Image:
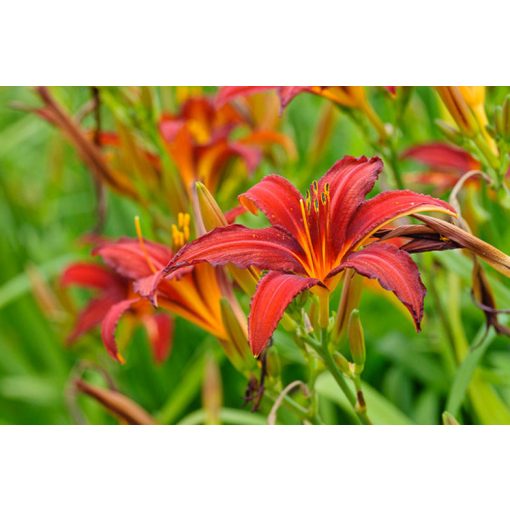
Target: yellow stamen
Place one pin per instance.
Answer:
(138, 229)
(309, 245)
(181, 231)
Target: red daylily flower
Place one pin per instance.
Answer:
(313, 238)
(447, 164)
(114, 298)
(200, 140)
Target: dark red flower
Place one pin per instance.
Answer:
(313, 238)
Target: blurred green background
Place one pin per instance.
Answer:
(48, 205)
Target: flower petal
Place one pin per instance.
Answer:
(274, 293)
(394, 270)
(268, 248)
(279, 200)
(388, 206)
(89, 275)
(109, 325)
(349, 180)
(91, 316)
(496, 258)
(160, 332)
(128, 258)
(287, 94)
(227, 94)
(442, 155)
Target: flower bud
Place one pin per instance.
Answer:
(236, 348)
(207, 208)
(209, 216)
(349, 300)
(273, 365)
(356, 340)
(451, 133)
(459, 109)
(449, 419)
(212, 391)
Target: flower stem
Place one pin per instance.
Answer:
(323, 351)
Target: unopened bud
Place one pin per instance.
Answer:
(273, 365)
(208, 209)
(342, 363)
(209, 216)
(212, 391)
(236, 347)
(455, 101)
(449, 419)
(356, 340)
(451, 133)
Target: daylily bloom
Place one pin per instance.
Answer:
(347, 97)
(446, 164)
(200, 139)
(115, 297)
(201, 294)
(313, 238)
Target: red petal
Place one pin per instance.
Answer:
(350, 179)
(227, 94)
(279, 200)
(232, 214)
(386, 207)
(250, 155)
(91, 316)
(128, 258)
(268, 248)
(89, 275)
(274, 293)
(160, 331)
(395, 270)
(287, 94)
(442, 155)
(110, 323)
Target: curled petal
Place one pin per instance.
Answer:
(442, 155)
(91, 316)
(268, 248)
(496, 258)
(274, 293)
(388, 206)
(160, 331)
(227, 94)
(110, 323)
(279, 200)
(88, 275)
(287, 94)
(117, 403)
(132, 260)
(349, 180)
(394, 270)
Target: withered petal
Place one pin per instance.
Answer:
(496, 258)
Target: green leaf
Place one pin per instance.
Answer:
(380, 410)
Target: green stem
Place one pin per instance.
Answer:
(323, 351)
